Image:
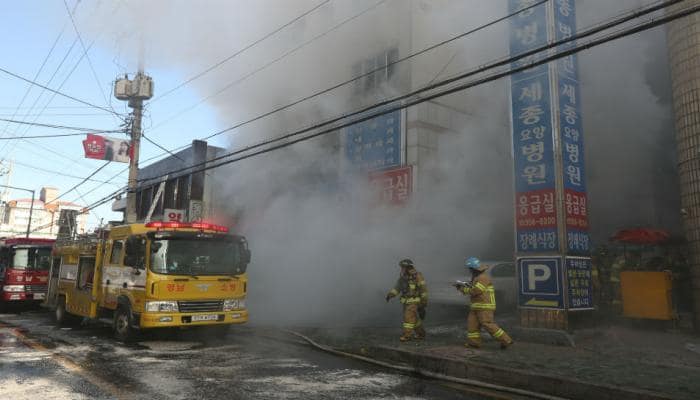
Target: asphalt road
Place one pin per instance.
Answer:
(38, 360)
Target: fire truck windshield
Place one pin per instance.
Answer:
(38, 258)
(190, 256)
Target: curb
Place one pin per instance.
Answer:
(552, 385)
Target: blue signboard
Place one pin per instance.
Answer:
(540, 282)
(533, 136)
(571, 134)
(579, 283)
(376, 143)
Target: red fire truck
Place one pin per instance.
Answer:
(24, 269)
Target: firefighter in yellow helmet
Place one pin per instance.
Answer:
(414, 297)
(483, 305)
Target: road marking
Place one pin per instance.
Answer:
(65, 362)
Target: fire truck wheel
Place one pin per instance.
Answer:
(63, 318)
(123, 329)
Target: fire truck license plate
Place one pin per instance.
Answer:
(204, 318)
(39, 296)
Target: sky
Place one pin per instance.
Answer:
(26, 36)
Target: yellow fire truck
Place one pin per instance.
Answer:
(153, 275)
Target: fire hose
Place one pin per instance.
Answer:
(426, 373)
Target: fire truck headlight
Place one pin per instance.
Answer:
(161, 306)
(234, 304)
(13, 288)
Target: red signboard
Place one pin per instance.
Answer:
(393, 186)
(107, 148)
(536, 209)
(576, 204)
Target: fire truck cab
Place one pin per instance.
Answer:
(154, 275)
(24, 269)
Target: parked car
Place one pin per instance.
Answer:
(502, 274)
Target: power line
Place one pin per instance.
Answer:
(546, 59)
(92, 68)
(53, 172)
(400, 60)
(507, 61)
(36, 76)
(265, 66)
(74, 128)
(81, 182)
(42, 136)
(238, 52)
(3, 70)
(368, 73)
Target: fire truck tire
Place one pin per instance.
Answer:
(123, 324)
(63, 318)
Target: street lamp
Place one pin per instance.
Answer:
(31, 206)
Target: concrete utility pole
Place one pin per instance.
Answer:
(137, 106)
(684, 52)
(135, 91)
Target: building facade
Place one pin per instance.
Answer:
(184, 195)
(45, 215)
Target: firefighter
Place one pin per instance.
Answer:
(414, 297)
(483, 305)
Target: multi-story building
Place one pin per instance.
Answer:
(44, 215)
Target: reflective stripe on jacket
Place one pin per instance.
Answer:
(482, 294)
(412, 289)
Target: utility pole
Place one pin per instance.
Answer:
(31, 206)
(137, 106)
(135, 91)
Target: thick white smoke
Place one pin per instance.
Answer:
(321, 251)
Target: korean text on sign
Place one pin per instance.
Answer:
(376, 143)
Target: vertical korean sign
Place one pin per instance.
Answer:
(551, 204)
(571, 134)
(533, 136)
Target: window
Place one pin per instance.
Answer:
(170, 193)
(384, 72)
(116, 256)
(145, 196)
(86, 272)
(55, 267)
(183, 193)
(135, 254)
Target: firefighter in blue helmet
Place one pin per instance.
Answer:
(483, 305)
(414, 297)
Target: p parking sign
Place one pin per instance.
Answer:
(540, 282)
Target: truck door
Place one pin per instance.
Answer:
(111, 273)
(52, 290)
(82, 302)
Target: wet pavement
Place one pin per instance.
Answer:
(249, 363)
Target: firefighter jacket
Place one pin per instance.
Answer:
(481, 294)
(412, 289)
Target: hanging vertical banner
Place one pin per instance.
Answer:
(533, 136)
(376, 143)
(550, 181)
(571, 134)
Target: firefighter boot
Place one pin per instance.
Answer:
(407, 335)
(420, 333)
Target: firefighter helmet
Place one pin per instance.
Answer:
(406, 263)
(473, 263)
